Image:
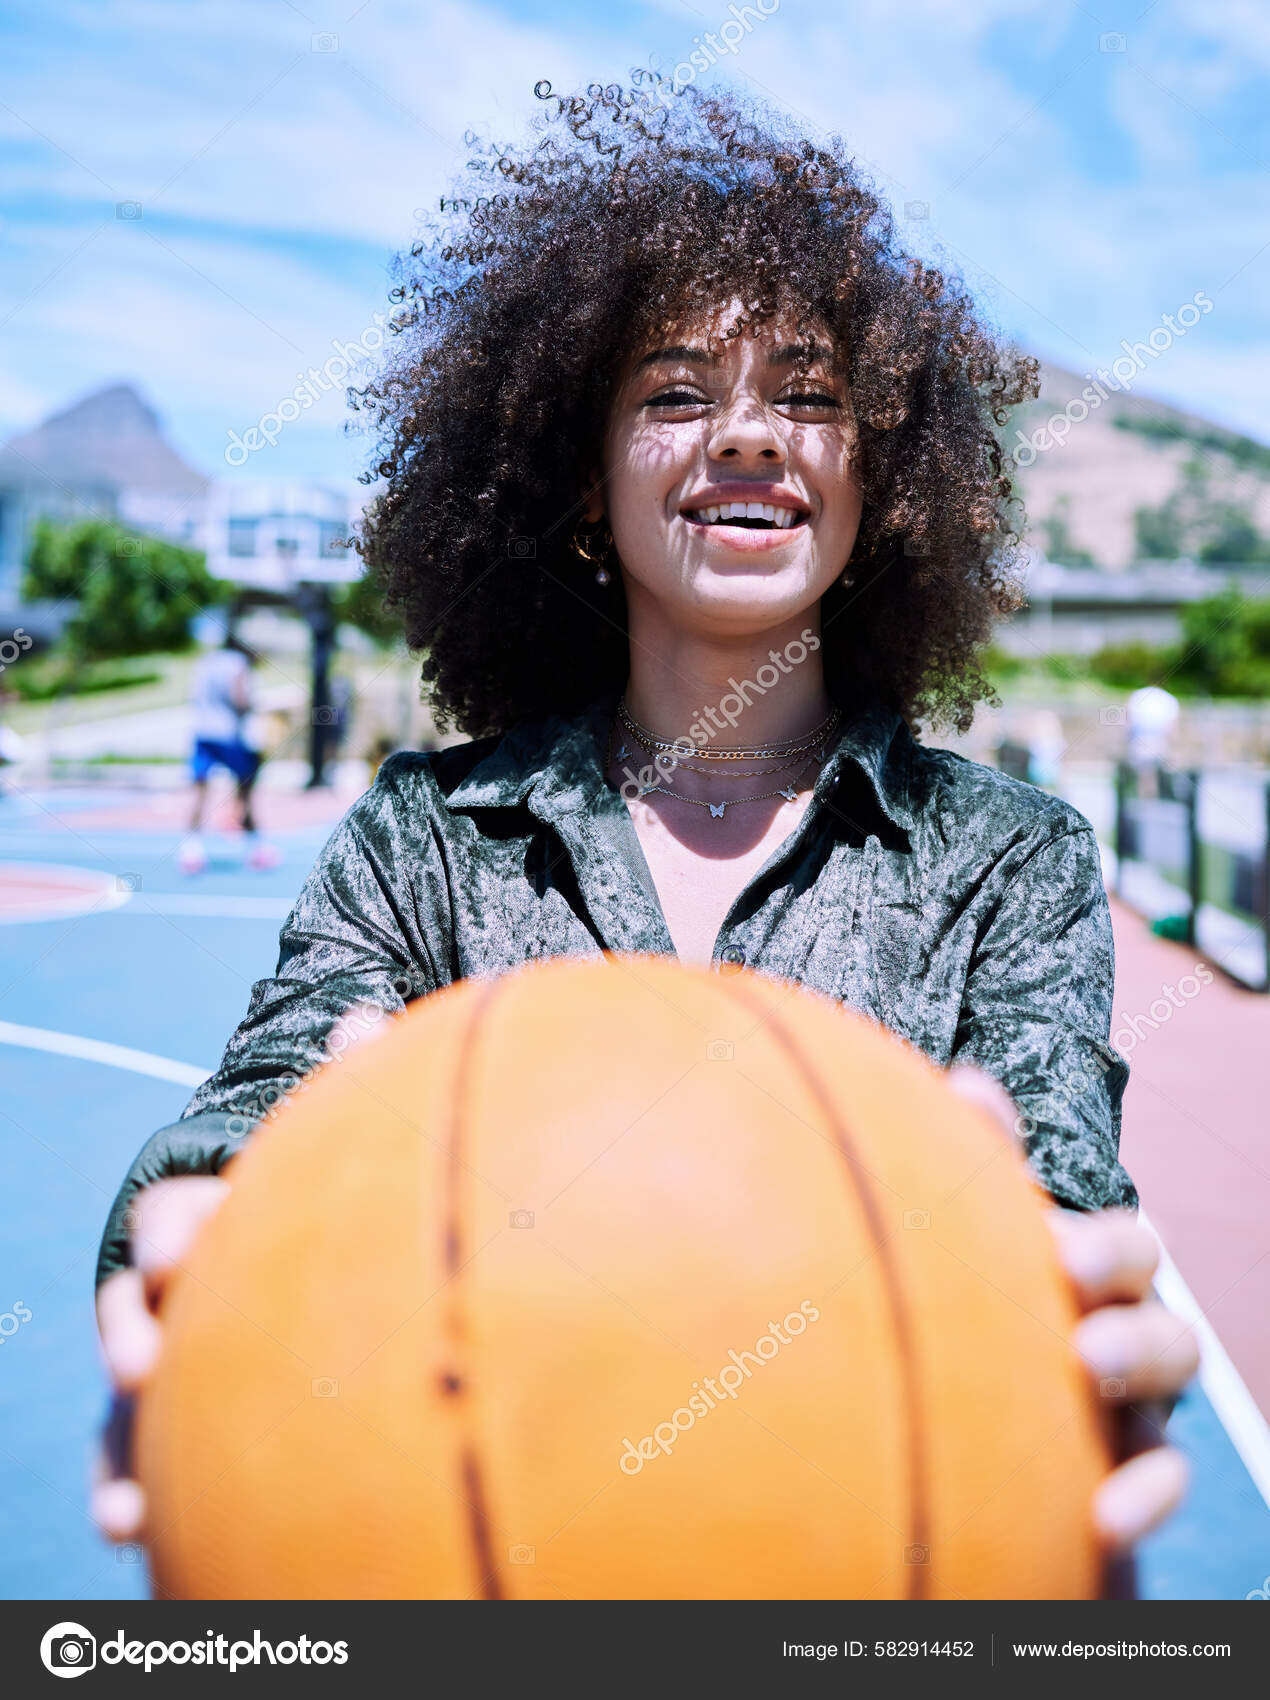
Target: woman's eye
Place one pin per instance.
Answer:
(677, 398)
(809, 398)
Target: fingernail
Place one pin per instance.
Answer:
(1103, 1343)
(118, 1509)
(1118, 1512)
(1085, 1258)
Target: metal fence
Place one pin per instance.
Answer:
(1192, 848)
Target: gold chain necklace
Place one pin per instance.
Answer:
(764, 752)
(728, 773)
(717, 810)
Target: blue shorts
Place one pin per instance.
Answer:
(242, 762)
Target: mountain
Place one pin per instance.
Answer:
(109, 439)
(1207, 490)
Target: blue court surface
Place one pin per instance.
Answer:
(107, 1020)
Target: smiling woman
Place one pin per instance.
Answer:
(637, 251)
(686, 468)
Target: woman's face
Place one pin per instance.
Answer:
(731, 483)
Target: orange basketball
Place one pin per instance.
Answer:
(620, 1279)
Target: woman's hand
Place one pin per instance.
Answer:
(168, 1215)
(1134, 1349)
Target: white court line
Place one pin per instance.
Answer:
(100, 1051)
(1227, 1391)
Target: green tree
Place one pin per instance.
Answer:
(1233, 536)
(131, 594)
(361, 604)
(1059, 545)
(1225, 647)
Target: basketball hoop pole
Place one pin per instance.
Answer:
(314, 603)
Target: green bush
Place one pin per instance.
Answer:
(1225, 647)
(1066, 668)
(130, 594)
(998, 663)
(65, 677)
(1129, 665)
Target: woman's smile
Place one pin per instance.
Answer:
(747, 515)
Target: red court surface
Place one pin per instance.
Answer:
(37, 891)
(1194, 1133)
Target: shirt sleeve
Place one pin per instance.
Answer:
(1036, 1014)
(349, 954)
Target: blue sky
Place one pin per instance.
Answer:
(1086, 167)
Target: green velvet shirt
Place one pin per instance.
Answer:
(962, 909)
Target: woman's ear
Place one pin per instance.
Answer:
(592, 495)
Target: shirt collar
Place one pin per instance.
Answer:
(555, 765)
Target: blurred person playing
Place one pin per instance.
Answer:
(221, 704)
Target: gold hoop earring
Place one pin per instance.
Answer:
(585, 546)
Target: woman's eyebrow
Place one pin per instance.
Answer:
(790, 352)
(699, 356)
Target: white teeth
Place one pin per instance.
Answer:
(780, 517)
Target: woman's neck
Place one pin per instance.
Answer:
(750, 691)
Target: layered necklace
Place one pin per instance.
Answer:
(790, 756)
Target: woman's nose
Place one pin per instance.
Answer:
(746, 431)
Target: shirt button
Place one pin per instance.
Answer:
(731, 960)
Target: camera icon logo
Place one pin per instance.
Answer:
(520, 1219)
(128, 546)
(127, 209)
(917, 1218)
(68, 1649)
(521, 1555)
(720, 1050)
(326, 1387)
(917, 1555)
(917, 209)
(522, 548)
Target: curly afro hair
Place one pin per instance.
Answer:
(516, 311)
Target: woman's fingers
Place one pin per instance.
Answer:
(977, 1087)
(168, 1216)
(118, 1506)
(1137, 1497)
(1137, 1351)
(1107, 1254)
(128, 1329)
